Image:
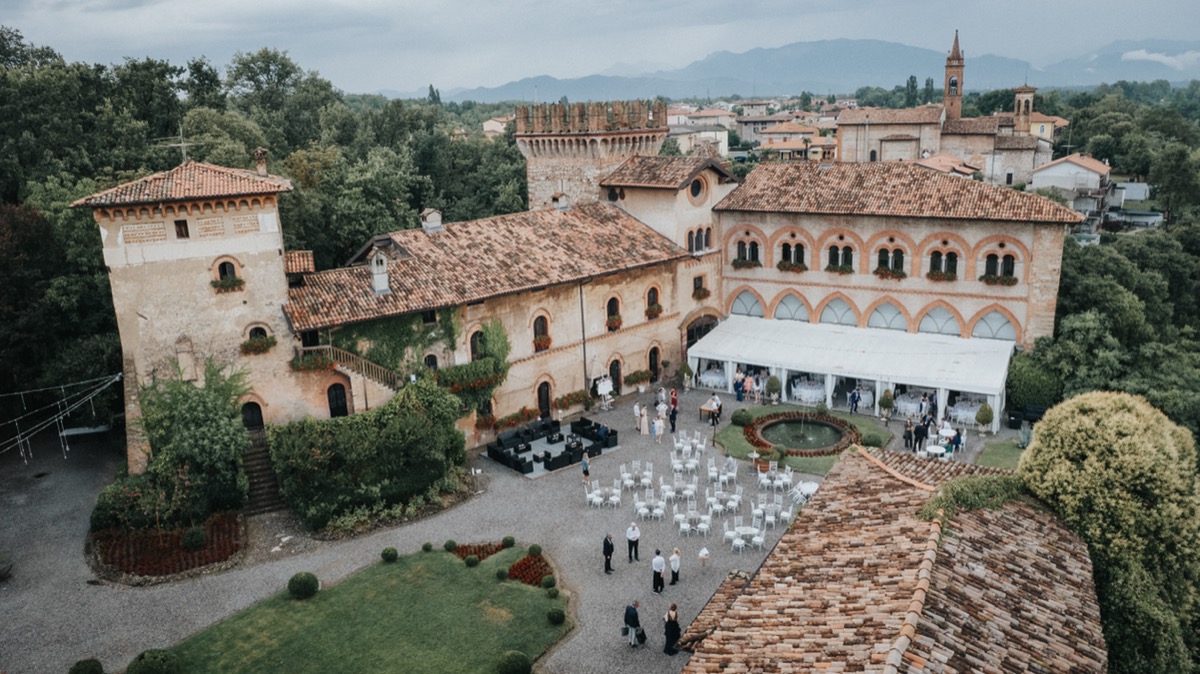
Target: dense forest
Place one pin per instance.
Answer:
(362, 165)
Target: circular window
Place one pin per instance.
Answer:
(841, 237)
(612, 195)
(945, 242)
(697, 187)
(891, 239)
(1001, 244)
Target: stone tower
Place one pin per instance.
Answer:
(1023, 109)
(196, 265)
(953, 87)
(569, 148)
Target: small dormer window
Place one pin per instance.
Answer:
(181, 229)
(226, 270)
(697, 187)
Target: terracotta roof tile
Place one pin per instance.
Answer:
(860, 583)
(926, 114)
(192, 180)
(298, 262)
(661, 172)
(895, 189)
(476, 260)
(1085, 161)
(789, 127)
(1022, 142)
(971, 126)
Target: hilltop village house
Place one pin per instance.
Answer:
(626, 261)
(1007, 147)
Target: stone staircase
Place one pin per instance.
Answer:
(265, 495)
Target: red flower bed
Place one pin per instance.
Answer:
(480, 550)
(850, 435)
(530, 570)
(149, 553)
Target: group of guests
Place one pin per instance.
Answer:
(658, 568)
(666, 407)
(916, 434)
(749, 385)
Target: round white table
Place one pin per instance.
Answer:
(946, 433)
(936, 450)
(808, 488)
(746, 531)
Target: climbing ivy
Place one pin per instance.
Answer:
(476, 382)
(397, 342)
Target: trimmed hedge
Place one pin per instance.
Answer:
(389, 555)
(548, 582)
(535, 549)
(89, 666)
(502, 573)
(450, 545)
(556, 616)
(552, 592)
(741, 417)
(514, 662)
(472, 560)
(303, 585)
(427, 547)
(509, 541)
(194, 538)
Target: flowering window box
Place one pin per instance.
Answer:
(228, 284)
(257, 345)
(994, 280)
(700, 294)
(740, 263)
(889, 273)
(936, 275)
(840, 269)
(613, 323)
(542, 342)
(794, 267)
(653, 311)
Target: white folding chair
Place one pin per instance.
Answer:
(614, 499)
(739, 543)
(704, 525)
(757, 511)
(730, 534)
(758, 539)
(594, 498)
(679, 517)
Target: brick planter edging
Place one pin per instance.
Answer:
(850, 434)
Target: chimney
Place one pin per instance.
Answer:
(260, 160)
(560, 201)
(431, 221)
(379, 273)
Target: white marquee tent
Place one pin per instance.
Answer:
(888, 357)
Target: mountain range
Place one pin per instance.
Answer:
(842, 66)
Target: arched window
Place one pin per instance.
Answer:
(995, 325)
(786, 255)
(897, 260)
(708, 238)
(847, 256)
(614, 307)
(226, 270)
(753, 251)
(746, 304)
(935, 261)
(1008, 265)
(883, 258)
(991, 265)
(834, 257)
(431, 362)
(651, 297)
(336, 395)
(888, 317)
(798, 254)
(790, 308)
(541, 333)
(1027, 106)
(258, 333)
(874, 156)
(476, 343)
(691, 242)
(953, 86)
(838, 312)
(741, 250)
(940, 321)
(951, 263)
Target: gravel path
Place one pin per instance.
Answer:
(53, 615)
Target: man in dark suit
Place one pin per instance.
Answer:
(632, 622)
(608, 553)
(674, 414)
(919, 435)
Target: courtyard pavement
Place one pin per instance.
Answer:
(55, 612)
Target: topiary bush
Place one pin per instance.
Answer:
(556, 616)
(154, 661)
(472, 560)
(89, 666)
(548, 582)
(552, 592)
(514, 662)
(535, 549)
(194, 538)
(822, 408)
(450, 546)
(303, 585)
(741, 418)
(502, 573)
(984, 416)
(427, 547)
(509, 541)
(873, 438)
(389, 555)
(1031, 383)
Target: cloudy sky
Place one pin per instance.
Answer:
(404, 45)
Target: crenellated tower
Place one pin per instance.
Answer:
(953, 86)
(569, 148)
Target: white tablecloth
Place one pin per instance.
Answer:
(867, 399)
(964, 411)
(908, 405)
(713, 378)
(809, 392)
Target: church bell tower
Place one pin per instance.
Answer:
(952, 96)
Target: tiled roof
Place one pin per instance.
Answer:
(298, 262)
(895, 189)
(976, 126)
(710, 112)
(1022, 142)
(192, 180)
(662, 172)
(926, 114)
(479, 259)
(947, 163)
(860, 583)
(1084, 161)
(777, 117)
(789, 127)
(710, 616)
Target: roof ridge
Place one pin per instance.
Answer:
(894, 473)
(916, 606)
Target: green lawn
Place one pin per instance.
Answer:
(1000, 454)
(734, 442)
(426, 612)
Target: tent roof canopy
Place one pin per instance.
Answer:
(921, 359)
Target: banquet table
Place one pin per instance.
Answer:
(713, 378)
(964, 411)
(908, 405)
(809, 392)
(746, 531)
(706, 408)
